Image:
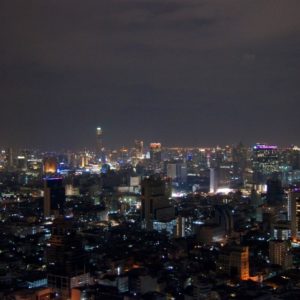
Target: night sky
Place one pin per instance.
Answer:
(182, 72)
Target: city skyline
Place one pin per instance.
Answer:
(190, 73)
(147, 145)
(149, 149)
(92, 145)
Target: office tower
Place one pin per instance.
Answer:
(220, 177)
(3, 159)
(155, 155)
(294, 212)
(274, 192)
(21, 163)
(234, 261)
(213, 180)
(66, 259)
(239, 157)
(50, 165)
(155, 201)
(100, 154)
(216, 157)
(139, 148)
(9, 158)
(177, 170)
(54, 197)
(294, 158)
(172, 171)
(264, 162)
(180, 227)
(239, 164)
(279, 253)
(223, 218)
(281, 230)
(84, 158)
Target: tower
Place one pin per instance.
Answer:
(10, 158)
(139, 148)
(155, 202)
(294, 212)
(213, 180)
(234, 261)
(50, 165)
(155, 155)
(265, 162)
(100, 155)
(54, 197)
(177, 170)
(279, 253)
(65, 259)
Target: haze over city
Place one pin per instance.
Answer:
(187, 73)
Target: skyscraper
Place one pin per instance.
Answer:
(139, 148)
(294, 212)
(155, 155)
(100, 155)
(65, 259)
(10, 158)
(155, 201)
(234, 261)
(54, 197)
(177, 170)
(279, 253)
(265, 162)
(50, 165)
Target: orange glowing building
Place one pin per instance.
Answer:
(50, 165)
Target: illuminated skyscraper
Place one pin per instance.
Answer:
(279, 253)
(139, 148)
(265, 162)
(213, 180)
(294, 213)
(155, 155)
(22, 162)
(100, 155)
(50, 165)
(234, 261)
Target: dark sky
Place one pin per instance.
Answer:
(183, 72)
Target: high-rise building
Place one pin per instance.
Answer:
(9, 158)
(54, 197)
(139, 148)
(281, 230)
(295, 158)
(21, 163)
(177, 170)
(213, 180)
(294, 212)
(265, 162)
(239, 159)
(155, 201)
(274, 191)
(66, 259)
(50, 165)
(234, 261)
(100, 154)
(155, 155)
(279, 253)
(223, 218)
